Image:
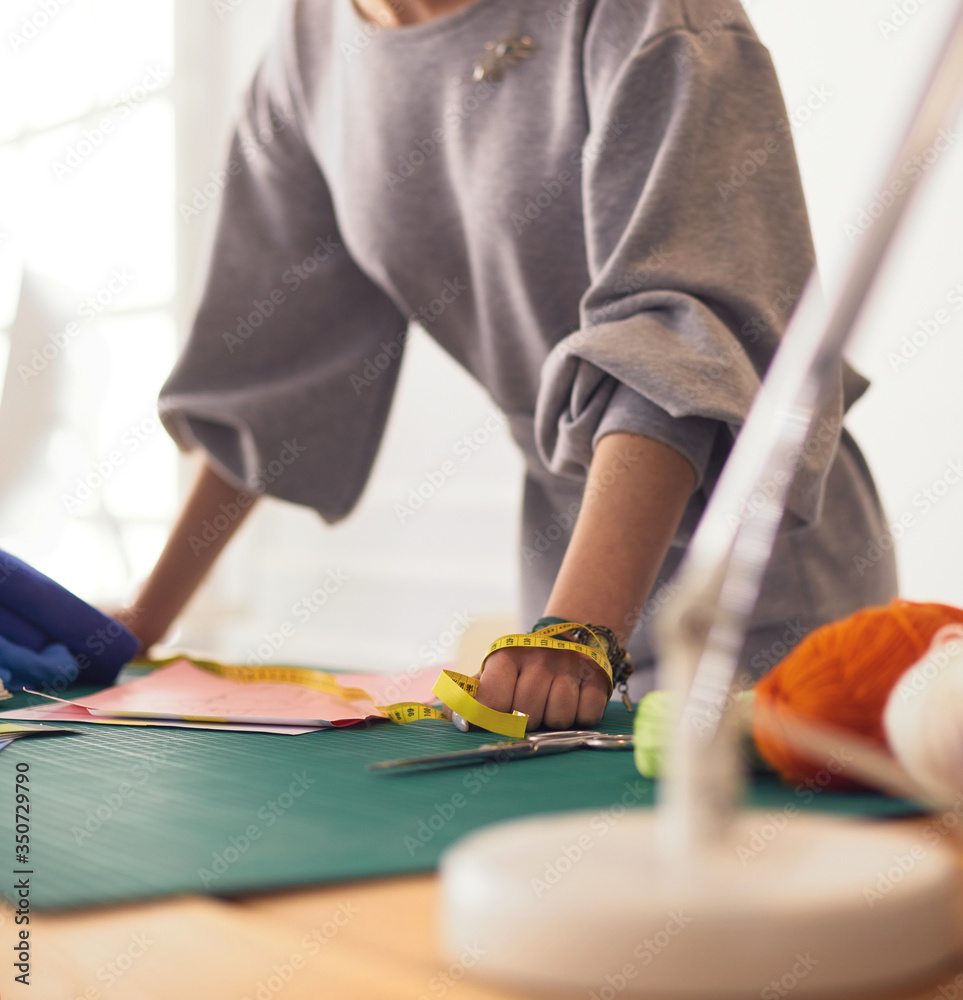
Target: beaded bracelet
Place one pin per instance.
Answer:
(617, 655)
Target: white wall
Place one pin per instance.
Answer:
(872, 56)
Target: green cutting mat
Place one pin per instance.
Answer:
(121, 813)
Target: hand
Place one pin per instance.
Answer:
(556, 688)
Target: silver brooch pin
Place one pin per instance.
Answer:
(505, 51)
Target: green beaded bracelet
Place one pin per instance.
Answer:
(547, 622)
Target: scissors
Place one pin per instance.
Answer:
(537, 744)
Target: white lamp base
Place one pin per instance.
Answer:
(806, 903)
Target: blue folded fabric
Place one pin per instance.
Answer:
(19, 630)
(55, 667)
(39, 616)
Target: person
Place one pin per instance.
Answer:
(594, 206)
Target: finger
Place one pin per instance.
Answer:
(496, 689)
(593, 697)
(531, 692)
(562, 703)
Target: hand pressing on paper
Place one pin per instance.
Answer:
(555, 688)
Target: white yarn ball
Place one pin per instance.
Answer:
(923, 718)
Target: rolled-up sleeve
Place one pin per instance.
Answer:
(698, 246)
(281, 380)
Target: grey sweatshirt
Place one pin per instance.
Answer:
(610, 235)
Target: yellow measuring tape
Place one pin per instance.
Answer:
(456, 691)
(403, 711)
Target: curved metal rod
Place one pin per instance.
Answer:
(702, 631)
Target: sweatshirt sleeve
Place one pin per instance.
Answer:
(288, 373)
(698, 245)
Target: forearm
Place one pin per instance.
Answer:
(635, 495)
(636, 492)
(191, 550)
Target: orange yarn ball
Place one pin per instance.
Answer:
(842, 674)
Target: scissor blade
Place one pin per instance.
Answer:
(511, 748)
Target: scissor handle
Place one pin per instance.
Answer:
(610, 741)
(574, 738)
(562, 734)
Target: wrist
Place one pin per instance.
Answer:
(615, 622)
(547, 621)
(599, 636)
